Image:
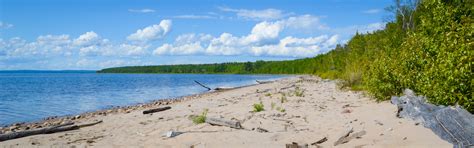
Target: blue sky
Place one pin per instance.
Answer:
(95, 34)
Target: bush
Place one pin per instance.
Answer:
(258, 107)
(200, 118)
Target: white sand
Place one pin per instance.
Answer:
(307, 119)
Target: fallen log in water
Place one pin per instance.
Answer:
(156, 110)
(224, 122)
(48, 130)
(208, 88)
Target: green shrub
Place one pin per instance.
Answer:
(258, 107)
(200, 118)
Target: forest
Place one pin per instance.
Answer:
(427, 47)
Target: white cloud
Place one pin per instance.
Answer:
(153, 32)
(371, 11)
(264, 32)
(263, 40)
(5, 25)
(45, 45)
(265, 14)
(146, 10)
(192, 16)
(133, 50)
(186, 44)
(88, 39)
(297, 47)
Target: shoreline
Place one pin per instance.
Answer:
(57, 120)
(303, 110)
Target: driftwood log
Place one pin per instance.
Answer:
(348, 138)
(451, 123)
(156, 110)
(343, 135)
(217, 88)
(224, 88)
(48, 130)
(224, 122)
(296, 145)
(208, 88)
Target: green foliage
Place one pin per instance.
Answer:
(273, 105)
(200, 118)
(258, 107)
(430, 52)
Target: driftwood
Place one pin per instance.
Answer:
(263, 82)
(296, 145)
(320, 141)
(224, 122)
(224, 88)
(217, 88)
(156, 110)
(346, 133)
(348, 138)
(453, 124)
(261, 130)
(208, 88)
(48, 130)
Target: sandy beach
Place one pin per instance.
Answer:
(301, 109)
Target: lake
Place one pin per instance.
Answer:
(27, 96)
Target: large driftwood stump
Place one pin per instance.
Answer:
(451, 123)
(156, 110)
(48, 130)
(224, 122)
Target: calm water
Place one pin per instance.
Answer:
(35, 95)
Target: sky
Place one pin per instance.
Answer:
(96, 34)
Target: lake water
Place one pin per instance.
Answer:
(31, 96)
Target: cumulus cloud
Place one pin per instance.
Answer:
(371, 11)
(87, 44)
(5, 25)
(263, 40)
(265, 14)
(45, 45)
(146, 10)
(88, 39)
(153, 32)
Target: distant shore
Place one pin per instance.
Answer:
(302, 109)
